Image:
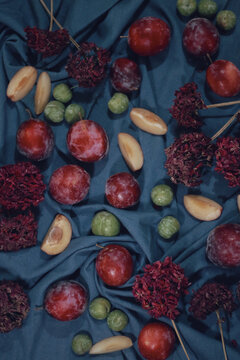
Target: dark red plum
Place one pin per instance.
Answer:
(125, 75)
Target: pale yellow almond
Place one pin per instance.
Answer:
(202, 208)
(58, 236)
(131, 151)
(238, 202)
(148, 121)
(43, 92)
(21, 83)
(111, 344)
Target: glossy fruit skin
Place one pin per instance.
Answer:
(223, 245)
(223, 77)
(149, 36)
(168, 227)
(81, 344)
(118, 103)
(122, 190)
(117, 320)
(54, 111)
(99, 308)
(162, 195)
(35, 139)
(114, 265)
(105, 224)
(87, 141)
(125, 75)
(69, 184)
(66, 300)
(62, 93)
(156, 341)
(200, 37)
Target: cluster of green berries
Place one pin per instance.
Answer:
(225, 19)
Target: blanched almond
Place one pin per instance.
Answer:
(202, 208)
(43, 91)
(58, 236)
(113, 343)
(148, 121)
(21, 83)
(131, 151)
(238, 202)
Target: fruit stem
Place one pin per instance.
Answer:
(223, 104)
(221, 332)
(100, 246)
(58, 24)
(51, 17)
(179, 338)
(123, 36)
(224, 127)
(209, 58)
(29, 112)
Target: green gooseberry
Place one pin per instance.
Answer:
(54, 111)
(226, 19)
(162, 195)
(168, 227)
(186, 7)
(81, 343)
(105, 224)
(99, 308)
(62, 92)
(117, 320)
(73, 113)
(118, 103)
(207, 8)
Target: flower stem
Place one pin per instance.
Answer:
(221, 332)
(223, 104)
(51, 17)
(58, 24)
(224, 127)
(179, 338)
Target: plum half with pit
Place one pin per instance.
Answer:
(223, 245)
(200, 37)
(35, 139)
(69, 184)
(125, 75)
(87, 141)
(66, 300)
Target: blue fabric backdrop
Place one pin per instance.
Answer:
(42, 337)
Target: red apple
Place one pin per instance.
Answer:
(122, 190)
(223, 245)
(223, 77)
(87, 141)
(200, 37)
(69, 184)
(114, 265)
(66, 300)
(125, 75)
(148, 36)
(156, 341)
(35, 139)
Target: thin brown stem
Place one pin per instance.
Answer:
(221, 332)
(123, 37)
(29, 112)
(58, 24)
(51, 16)
(223, 104)
(180, 340)
(224, 127)
(209, 58)
(100, 246)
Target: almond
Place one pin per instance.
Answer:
(202, 208)
(238, 202)
(148, 121)
(43, 91)
(58, 236)
(131, 151)
(21, 83)
(110, 344)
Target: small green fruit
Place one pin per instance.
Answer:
(118, 103)
(99, 308)
(105, 224)
(226, 20)
(168, 227)
(62, 93)
(162, 195)
(117, 320)
(207, 8)
(81, 344)
(73, 113)
(54, 111)
(186, 7)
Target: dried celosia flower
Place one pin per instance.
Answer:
(21, 185)
(17, 232)
(228, 159)
(14, 305)
(186, 105)
(45, 42)
(187, 156)
(211, 297)
(88, 64)
(160, 288)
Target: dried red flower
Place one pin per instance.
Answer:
(88, 64)
(186, 105)
(187, 156)
(45, 42)
(160, 288)
(14, 305)
(228, 159)
(21, 185)
(17, 232)
(211, 297)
